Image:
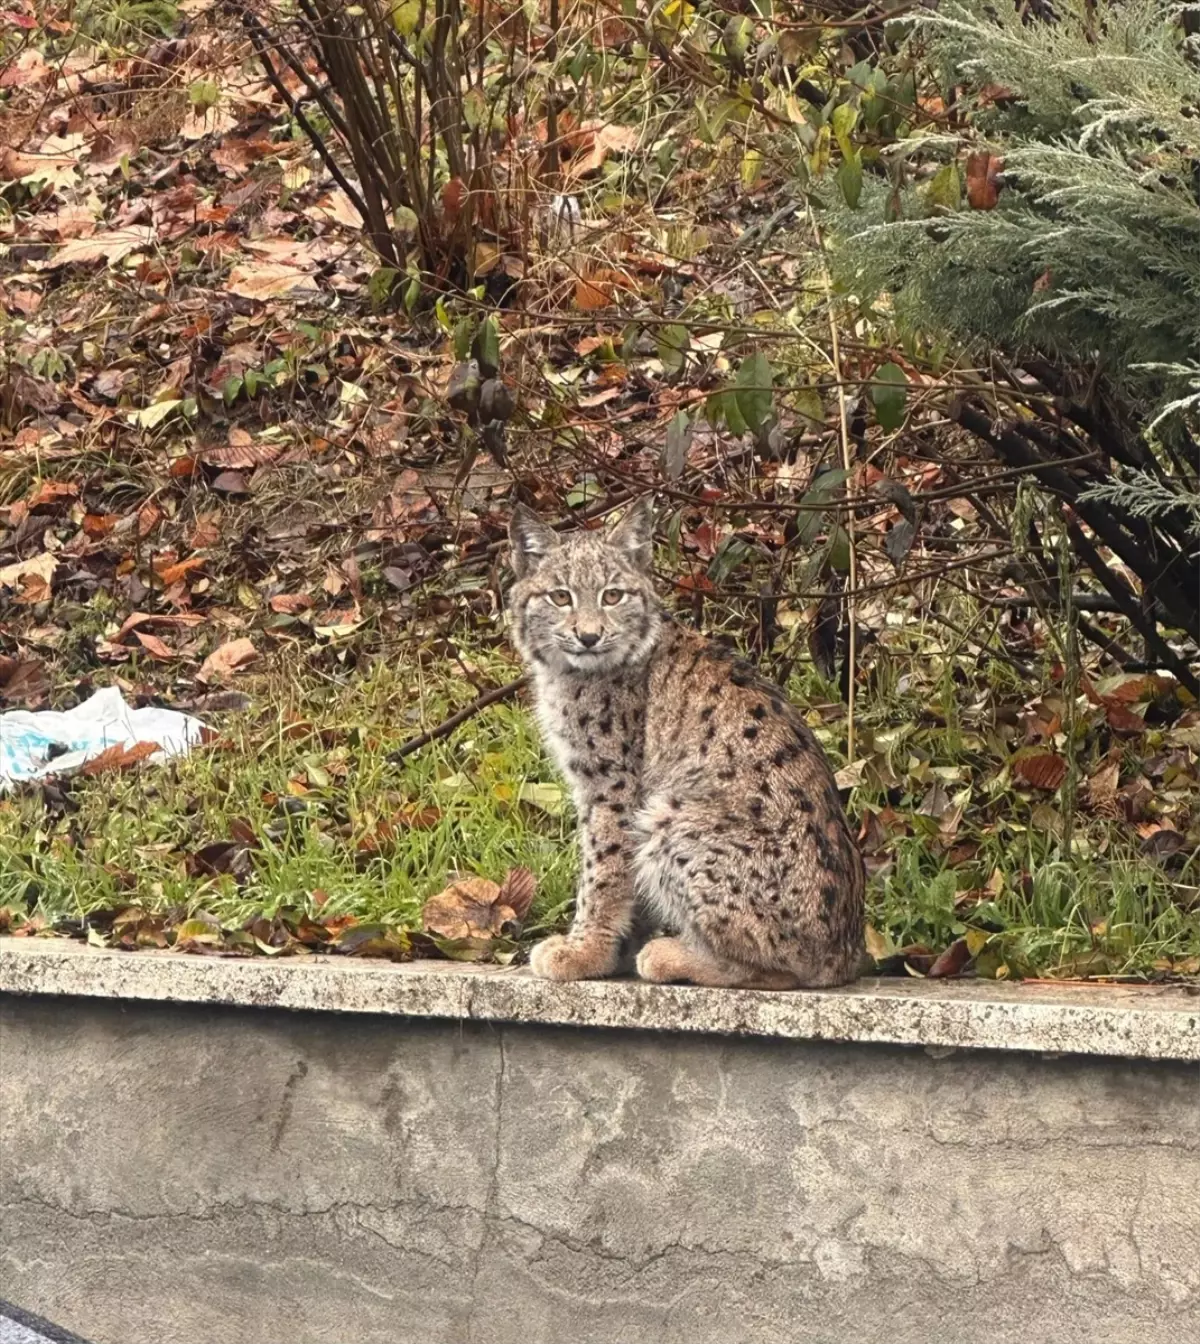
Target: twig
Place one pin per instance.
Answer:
(447, 726)
(835, 358)
(260, 40)
(1156, 646)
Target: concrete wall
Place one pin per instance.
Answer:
(189, 1174)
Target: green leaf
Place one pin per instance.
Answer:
(547, 797)
(464, 334)
(752, 388)
(150, 417)
(751, 170)
(945, 188)
(850, 179)
(486, 347)
(889, 392)
(406, 221)
(379, 286)
(808, 404)
(844, 120)
(672, 345)
(588, 491)
(811, 517)
(839, 550)
(729, 554)
(405, 17)
(736, 37)
(197, 931)
(203, 93)
(475, 107)
(732, 412)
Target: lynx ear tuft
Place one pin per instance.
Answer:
(531, 540)
(634, 534)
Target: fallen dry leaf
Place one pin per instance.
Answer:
(110, 247)
(290, 604)
(172, 573)
(1044, 770)
(268, 280)
(470, 908)
(31, 578)
(154, 646)
(119, 757)
(225, 661)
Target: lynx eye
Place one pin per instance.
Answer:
(561, 597)
(611, 596)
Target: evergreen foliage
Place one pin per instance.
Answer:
(1090, 256)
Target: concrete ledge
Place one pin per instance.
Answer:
(1152, 1022)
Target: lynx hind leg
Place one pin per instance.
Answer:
(673, 960)
(731, 896)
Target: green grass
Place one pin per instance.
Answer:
(310, 781)
(341, 831)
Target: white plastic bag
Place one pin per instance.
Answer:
(44, 742)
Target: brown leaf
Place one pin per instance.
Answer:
(119, 757)
(52, 492)
(231, 483)
(31, 579)
(99, 525)
(179, 621)
(454, 196)
(109, 247)
(149, 517)
(22, 680)
(206, 533)
(517, 891)
(419, 818)
(1140, 687)
(225, 661)
(1121, 719)
(952, 960)
(154, 646)
(1042, 769)
(290, 604)
(172, 573)
(268, 280)
(1102, 789)
(222, 856)
(240, 455)
(374, 940)
(983, 191)
(591, 295)
(470, 908)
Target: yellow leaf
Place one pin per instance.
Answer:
(879, 945)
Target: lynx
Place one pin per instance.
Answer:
(706, 808)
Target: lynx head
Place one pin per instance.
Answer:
(584, 601)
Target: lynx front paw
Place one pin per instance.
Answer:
(560, 958)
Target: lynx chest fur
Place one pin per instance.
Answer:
(706, 808)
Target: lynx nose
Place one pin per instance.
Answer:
(588, 638)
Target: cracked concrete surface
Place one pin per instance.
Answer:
(1147, 1022)
(192, 1174)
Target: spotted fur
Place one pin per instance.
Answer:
(706, 807)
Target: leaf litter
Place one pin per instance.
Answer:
(231, 462)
